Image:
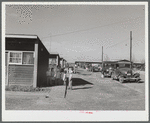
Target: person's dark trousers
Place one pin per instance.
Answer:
(67, 81)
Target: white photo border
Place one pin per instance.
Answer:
(75, 115)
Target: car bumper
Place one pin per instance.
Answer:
(131, 79)
(107, 74)
(95, 70)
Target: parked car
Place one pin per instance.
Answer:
(89, 67)
(125, 73)
(100, 68)
(95, 69)
(107, 68)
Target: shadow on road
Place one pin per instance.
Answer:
(85, 74)
(81, 88)
(141, 81)
(79, 81)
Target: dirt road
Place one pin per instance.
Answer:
(90, 92)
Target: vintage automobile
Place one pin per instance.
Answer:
(95, 69)
(107, 68)
(125, 73)
(89, 67)
(100, 68)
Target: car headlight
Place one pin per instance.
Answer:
(107, 70)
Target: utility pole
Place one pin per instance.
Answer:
(50, 43)
(102, 55)
(131, 48)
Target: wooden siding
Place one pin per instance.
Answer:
(21, 74)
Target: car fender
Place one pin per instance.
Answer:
(136, 75)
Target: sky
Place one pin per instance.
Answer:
(78, 32)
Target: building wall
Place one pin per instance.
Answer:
(25, 74)
(19, 74)
(43, 64)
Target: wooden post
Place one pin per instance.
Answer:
(35, 65)
(131, 48)
(102, 56)
(50, 43)
(102, 53)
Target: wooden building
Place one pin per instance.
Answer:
(54, 60)
(63, 63)
(26, 60)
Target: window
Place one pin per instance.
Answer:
(21, 58)
(121, 65)
(52, 60)
(15, 57)
(28, 58)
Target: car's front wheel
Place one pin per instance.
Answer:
(138, 80)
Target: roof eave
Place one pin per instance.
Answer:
(21, 36)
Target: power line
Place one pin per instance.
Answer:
(90, 28)
(117, 43)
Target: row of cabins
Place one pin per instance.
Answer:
(27, 60)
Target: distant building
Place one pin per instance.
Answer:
(63, 63)
(26, 60)
(54, 60)
(124, 60)
(140, 66)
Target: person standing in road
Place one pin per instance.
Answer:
(70, 78)
(48, 74)
(65, 77)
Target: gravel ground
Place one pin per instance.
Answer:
(90, 92)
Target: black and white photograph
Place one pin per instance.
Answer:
(75, 61)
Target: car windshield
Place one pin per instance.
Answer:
(108, 65)
(124, 65)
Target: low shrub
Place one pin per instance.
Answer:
(23, 88)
